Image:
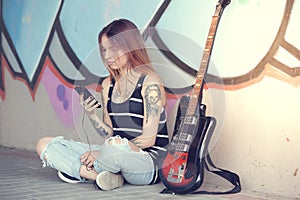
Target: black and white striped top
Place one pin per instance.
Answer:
(127, 119)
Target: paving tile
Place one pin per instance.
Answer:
(22, 177)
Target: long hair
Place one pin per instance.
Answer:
(124, 34)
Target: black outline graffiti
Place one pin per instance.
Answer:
(90, 78)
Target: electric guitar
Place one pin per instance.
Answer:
(181, 164)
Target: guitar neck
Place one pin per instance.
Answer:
(198, 87)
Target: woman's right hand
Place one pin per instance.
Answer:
(88, 158)
(89, 105)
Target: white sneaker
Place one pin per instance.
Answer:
(108, 181)
(67, 178)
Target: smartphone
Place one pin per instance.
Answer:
(86, 94)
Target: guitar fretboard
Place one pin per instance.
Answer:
(194, 98)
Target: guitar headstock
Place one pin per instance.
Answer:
(221, 6)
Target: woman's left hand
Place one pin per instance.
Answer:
(143, 141)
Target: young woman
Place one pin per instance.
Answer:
(134, 121)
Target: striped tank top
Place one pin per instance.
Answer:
(127, 119)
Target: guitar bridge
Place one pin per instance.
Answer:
(176, 172)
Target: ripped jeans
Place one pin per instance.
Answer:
(64, 155)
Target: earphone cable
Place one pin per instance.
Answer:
(86, 135)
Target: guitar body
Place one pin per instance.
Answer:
(181, 166)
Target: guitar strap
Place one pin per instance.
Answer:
(233, 178)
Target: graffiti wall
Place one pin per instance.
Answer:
(251, 84)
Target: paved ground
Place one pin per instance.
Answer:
(22, 177)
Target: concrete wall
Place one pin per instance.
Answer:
(252, 83)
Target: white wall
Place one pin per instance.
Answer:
(260, 137)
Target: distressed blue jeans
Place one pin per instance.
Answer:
(64, 155)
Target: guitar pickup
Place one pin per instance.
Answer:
(182, 147)
(185, 137)
(192, 120)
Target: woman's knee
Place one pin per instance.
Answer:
(42, 143)
(118, 141)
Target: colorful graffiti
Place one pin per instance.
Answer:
(58, 45)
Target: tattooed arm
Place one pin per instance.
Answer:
(100, 128)
(153, 101)
(103, 127)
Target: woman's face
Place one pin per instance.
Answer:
(115, 57)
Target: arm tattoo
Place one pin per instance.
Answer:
(100, 130)
(152, 96)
